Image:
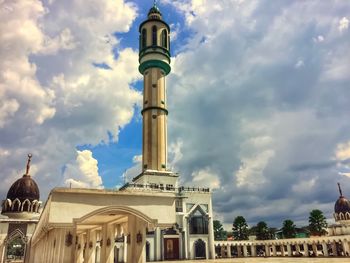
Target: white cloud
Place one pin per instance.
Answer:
(133, 171)
(7, 108)
(251, 171)
(83, 172)
(318, 39)
(52, 97)
(342, 151)
(205, 178)
(299, 64)
(343, 24)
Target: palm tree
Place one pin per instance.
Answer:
(288, 229)
(317, 223)
(240, 228)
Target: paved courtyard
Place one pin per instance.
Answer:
(271, 260)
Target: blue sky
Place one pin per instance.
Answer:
(258, 99)
(115, 158)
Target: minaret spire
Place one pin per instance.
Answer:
(340, 191)
(28, 164)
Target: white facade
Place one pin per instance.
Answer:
(139, 223)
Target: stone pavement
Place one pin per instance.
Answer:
(271, 260)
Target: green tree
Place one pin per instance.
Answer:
(262, 231)
(288, 229)
(219, 232)
(240, 228)
(317, 223)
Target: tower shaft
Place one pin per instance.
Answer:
(154, 58)
(154, 113)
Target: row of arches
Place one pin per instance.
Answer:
(342, 216)
(18, 206)
(163, 38)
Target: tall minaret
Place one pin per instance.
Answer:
(154, 58)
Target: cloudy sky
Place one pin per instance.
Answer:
(259, 99)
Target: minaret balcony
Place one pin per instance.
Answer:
(154, 52)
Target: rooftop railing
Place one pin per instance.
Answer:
(160, 187)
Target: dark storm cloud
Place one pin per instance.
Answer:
(262, 104)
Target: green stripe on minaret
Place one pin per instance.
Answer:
(154, 64)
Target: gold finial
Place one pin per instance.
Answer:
(28, 163)
(340, 192)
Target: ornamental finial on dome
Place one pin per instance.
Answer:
(28, 164)
(340, 191)
(154, 12)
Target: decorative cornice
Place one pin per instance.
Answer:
(154, 64)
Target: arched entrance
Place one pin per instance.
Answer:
(199, 247)
(15, 246)
(106, 226)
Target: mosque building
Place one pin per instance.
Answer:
(151, 218)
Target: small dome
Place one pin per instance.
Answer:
(342, 205)
(22, 200)
(154, 12)
(24, 188)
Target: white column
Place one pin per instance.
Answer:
(107, 246)
(289, 249)
(297, 249)
(345, 247)
(211, 239)
(136, 249)
(306, 250)
(158, 244)
(245, 251)
(228, 249)
(325, 249)
(314, 249)
(78, 253)
(267, 250)
(2, 251)
(282, 250)
(274, 252)
(90, 251)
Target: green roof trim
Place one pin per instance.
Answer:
(154, 49)
(155, 64)
(154, 20)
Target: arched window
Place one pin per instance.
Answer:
(199, 249)
(198, 222)
(164, 39)
(143, 38)
(16, 205)
(154, 36)
(26, 206)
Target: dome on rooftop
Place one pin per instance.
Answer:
(24, 188)
(342, 207)
(154, 12)
(23, 196)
